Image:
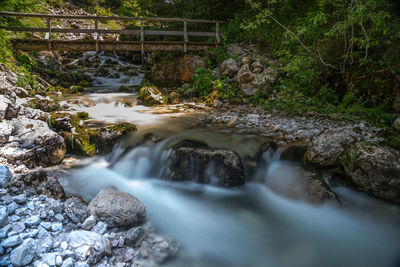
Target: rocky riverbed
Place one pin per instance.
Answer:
(43, 226)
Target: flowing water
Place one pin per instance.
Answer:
(249, 225)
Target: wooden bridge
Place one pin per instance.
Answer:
(96, 43)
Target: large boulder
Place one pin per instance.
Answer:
(89, 246)
(326, 148)
(176, 70)
(374, 169)
(116, 208)
(33, 143)
(150, 96)
(229, 68)
(192, 162)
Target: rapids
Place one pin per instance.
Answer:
(250, 225)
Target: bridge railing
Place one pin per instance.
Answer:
(49, 30)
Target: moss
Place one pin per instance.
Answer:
(123, 89)
(211, 97)
(75, 89)
(85, 84)
(83, 115)
(123, 127)
(151, 96)
(45, 104)
(393, 139)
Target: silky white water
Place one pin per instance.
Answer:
(250, 225)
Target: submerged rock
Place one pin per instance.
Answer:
(116, 208)
(205, 165)
(374, 169)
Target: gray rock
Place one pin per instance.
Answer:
(3, 192)
(49, 258)
(12, 207)
(21, 212)
(3, 216)
(11, 242)
(32, 221)
(46, 245)
(31, 234)
(205, 165)
(116, 208)
(51, 213)
(100, 228)
(5, 130)
(69, 262)
(5, 176)
(59, 260)
(229, 68)
(46, 225)
(374, 169)
(24, 253)
(89, 222)
(20, 199)
(75, 210)
(89, 244)
(134, 236)
(5, 230)
(396, 125)
(18, 227)
(56, 227)
(34, 144)
(59, 217)
(326, 148)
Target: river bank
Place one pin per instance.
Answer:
(232, 146)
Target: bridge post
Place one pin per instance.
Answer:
(217, 35)
(185, 36)
(143, 54)
(96, 34)
(48, 33)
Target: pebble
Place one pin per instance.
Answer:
(51, 213)
(4, 231)
(3, 192)
(46, 225)
(3, 216)
(69, 262)
(18, 227)
(64, 245)
(56, 227)
(89, 222)
(32, 221)
(59, 260)
(100, 228)
(59, 217)
(49, 258)
(20, 199)
(11, 241)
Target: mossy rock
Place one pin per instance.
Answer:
(85, 84)
(214, 95)
(75, 89)
(45, 105)
(84, 141)
(123, 89)
(83, 115)
(151, 96)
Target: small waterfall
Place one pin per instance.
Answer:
(251, 225)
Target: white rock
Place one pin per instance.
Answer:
(84, 242)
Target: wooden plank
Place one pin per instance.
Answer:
(32, 15)
(101, 31)
(43, 45)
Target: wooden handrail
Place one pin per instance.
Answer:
(96, 31)
(32, 15)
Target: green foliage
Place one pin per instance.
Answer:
(204, 82)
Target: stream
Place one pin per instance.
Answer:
(249, 225)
